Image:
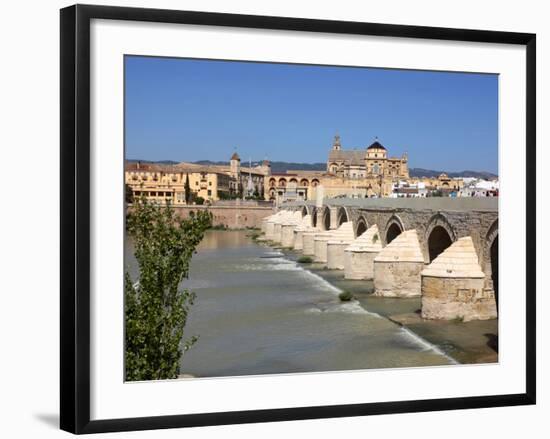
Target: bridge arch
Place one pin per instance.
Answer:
(491, 258)
(394, 228)
(361, 226)
(439, 235)
(325, 219)
(342, 216)
(314, 216)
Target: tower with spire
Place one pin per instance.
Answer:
(336, 145)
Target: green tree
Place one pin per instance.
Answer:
(156, 309)
(128, 194)
(187, 189)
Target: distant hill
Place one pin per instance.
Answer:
(278, 167)
(419, 172)
(159, 162)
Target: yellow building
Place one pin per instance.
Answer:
(166, 183)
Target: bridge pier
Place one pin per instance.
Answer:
(333, 218)
(287, 228)
(453, 286)
(359, 255)
(397, 267)
(304, 226)
(308, 242)
(322, 239)
(270, 224)
(320, 242)
(340, 239)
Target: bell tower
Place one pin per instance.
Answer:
(235, 165)
(336, 145)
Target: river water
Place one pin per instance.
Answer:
(257, 312)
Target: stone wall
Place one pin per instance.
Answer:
(455, 298)
(232, 217)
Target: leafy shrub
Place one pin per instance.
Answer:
(305, 260)
(155, 309)
(346, 296)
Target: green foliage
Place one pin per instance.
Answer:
(219, 227)
(254, 234)
(199, 200)
(155, 309)
(375, 238)
(346, 296)
(187, 189)
(128, 194)
(305, 260)
(222, 195)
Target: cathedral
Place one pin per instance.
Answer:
(369, 163)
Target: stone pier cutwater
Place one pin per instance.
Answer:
(453, 286)
(305, 226)
(410, 233)
(340, 239)
(290, 217)
(397, 267)
(287, 229)
(270, 222)
(308, 242)
(359, 255)
(322, 239)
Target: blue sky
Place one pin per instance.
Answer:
(188, 110)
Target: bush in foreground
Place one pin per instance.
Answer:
(346, 296)
(305, 260)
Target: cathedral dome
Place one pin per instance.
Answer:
(377, 145)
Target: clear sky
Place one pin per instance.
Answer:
(188, 110)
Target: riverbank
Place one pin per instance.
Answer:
(466, 342)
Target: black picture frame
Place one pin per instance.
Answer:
(75, 217)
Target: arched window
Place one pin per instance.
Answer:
(376, 169)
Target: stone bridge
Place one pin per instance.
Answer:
(439, 222)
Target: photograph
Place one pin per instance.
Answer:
(295, 218)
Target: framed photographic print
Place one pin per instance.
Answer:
(268, 218)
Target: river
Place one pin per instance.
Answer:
(258, 312)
